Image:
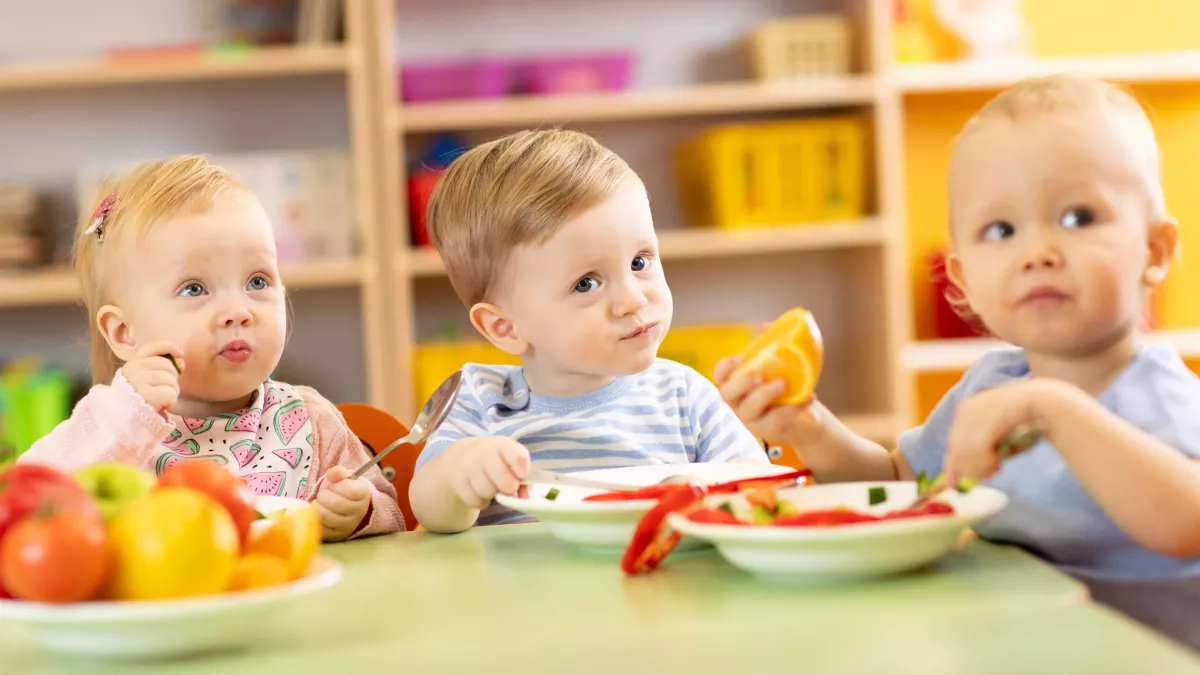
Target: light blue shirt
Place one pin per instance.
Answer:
(1052, 515)
(667, 414)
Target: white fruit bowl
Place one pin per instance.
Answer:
(157, 629)
(843, 553)
(607, 527)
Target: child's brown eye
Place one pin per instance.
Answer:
(1077, 218)
(997, 230)
(640, 263)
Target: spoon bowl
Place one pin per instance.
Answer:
(432, 414)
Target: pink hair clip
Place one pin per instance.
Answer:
(99, 215)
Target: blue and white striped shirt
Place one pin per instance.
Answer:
(666, 414)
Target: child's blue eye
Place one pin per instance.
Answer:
(586, 285)
(640, 264)
(258, 283)
(998, 230)
(1077, 218)
(192, 290)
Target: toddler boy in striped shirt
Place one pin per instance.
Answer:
(548, 240)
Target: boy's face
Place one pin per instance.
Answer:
(1050, 217)
(591, 302)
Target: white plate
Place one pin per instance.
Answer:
(162, 628)
(608, 526)
(844, 552)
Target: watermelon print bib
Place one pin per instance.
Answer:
(268, 444)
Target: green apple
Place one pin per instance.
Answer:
(114, 485)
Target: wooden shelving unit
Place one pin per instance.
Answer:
(57, 286)
(865, 258)
(266, 62)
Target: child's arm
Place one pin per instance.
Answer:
(339, 454)
(111, 423)
(1149, 489)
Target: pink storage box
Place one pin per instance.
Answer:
(576, 73)
(435, 81)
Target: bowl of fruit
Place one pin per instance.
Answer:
(115, 563)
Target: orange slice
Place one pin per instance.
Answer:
(789, 349)
(292, 535)
(258, 570)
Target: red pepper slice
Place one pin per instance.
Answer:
(653, 540)
(714, 517)
(648, 492)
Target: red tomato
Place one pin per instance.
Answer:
(57, 555)
(225, 488)
(714, 517)
(26, 487)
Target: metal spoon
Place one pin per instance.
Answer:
(551, 477)
(431, 417)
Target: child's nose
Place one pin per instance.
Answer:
(630, 302)
(1044, 254)
(236, 314)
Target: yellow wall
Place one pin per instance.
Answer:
(1066, 28)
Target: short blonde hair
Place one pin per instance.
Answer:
(1065, 92)
(126, 208)
(515, 190)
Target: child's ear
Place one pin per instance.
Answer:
(1162, 240)
(955, 275)
(490, 321)
(116, 332)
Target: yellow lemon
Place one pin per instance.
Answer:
(174, 542)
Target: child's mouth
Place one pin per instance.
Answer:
(237, 351)
(642, 331)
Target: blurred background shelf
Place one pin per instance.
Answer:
(956, 355)
(57, 285)
(708, 99)
(259, 63)
(700, 243)
(1125, 68)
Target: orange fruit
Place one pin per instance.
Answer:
(259, 570)
(292, 535)
(172, 543)
(789, 349)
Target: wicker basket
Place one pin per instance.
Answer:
(801, 47)
(21, 242)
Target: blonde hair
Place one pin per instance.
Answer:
(1065, 92)
(126, 208)
(514, 190)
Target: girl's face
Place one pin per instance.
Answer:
(209, 283)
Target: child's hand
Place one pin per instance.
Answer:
(153, 377)
(342, 503)
(751, 398)
(485, 467)
(985, 420)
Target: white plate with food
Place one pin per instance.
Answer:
(836, 532)
(607, 526)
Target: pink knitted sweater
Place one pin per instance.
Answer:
(114, 423)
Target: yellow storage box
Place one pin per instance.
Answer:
(775, 173)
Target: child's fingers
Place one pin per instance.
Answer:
(336, 474)
(735, 389)
(337, 503)
(354, 489)
(333, 523)
(502, 477)
(482, 488)
(725, 368)
(516, 457)
(755, 404)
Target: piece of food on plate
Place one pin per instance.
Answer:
(767, 509)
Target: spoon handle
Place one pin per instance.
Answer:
(380, 455)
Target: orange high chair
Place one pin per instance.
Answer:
(376, 429)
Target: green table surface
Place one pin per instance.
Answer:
(515, 600)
